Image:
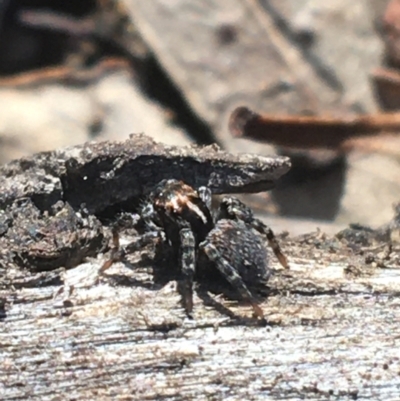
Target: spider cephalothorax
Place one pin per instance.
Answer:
(182, 216)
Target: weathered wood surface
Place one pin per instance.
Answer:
(333, 333)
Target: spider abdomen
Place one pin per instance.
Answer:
(241, 247)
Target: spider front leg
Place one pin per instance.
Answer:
(229, 272)
(118, 253)
(233, 209)
(149, 216)
(206, 196)
(187, 264)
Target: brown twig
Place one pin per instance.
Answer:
(312, 132)
(108, 24)
(66, 74)
(51, 20)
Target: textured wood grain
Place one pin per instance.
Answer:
(332, 333)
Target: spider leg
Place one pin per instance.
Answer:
(206, 196)
(188, 263)
(231, 275)
(233, 208)
(272, 241)
(118, 253)
(149, 215)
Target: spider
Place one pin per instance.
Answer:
(182, 216)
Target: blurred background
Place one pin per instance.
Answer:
(79, 70)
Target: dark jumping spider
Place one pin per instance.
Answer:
(182, 216)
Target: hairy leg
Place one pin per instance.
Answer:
(118, 253)
(231, 275)
(206, 196)
(188, 265)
